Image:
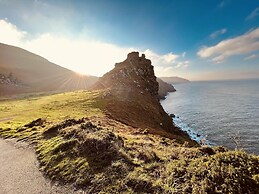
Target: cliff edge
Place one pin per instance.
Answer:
(132, 95)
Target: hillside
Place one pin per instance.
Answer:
(111, 140)
(76, 143)
(174, 80)
(22, 72)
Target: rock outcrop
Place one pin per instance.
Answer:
(132, 95)
(9, 79)
(135, 74)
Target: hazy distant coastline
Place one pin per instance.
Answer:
(174, 80)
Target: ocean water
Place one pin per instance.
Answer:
(214, 112)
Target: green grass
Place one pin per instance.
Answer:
(76, 143)
(54, 108)
(227, 172)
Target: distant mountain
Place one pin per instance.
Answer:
(22, 72)
(174, 80)
(164, 88)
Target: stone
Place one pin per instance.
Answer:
(133, 55)
(172, 115)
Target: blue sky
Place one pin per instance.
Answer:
(198, 40)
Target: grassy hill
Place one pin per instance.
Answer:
(23, 72)
(77, 142)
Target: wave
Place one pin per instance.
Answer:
(195, 135)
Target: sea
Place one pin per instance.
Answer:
(218, 112)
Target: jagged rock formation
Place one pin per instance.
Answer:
(134, 74)
(132, 94)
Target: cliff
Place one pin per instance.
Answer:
(132, 93)
(164, 88)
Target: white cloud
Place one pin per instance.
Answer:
(183, 64)
(240, 45)
(170, 57)
(168, 64)
(178, 69)
(80, 54)
(162, 60)
(218, 59)
(253, 56)
(183, 54)
(10, 34)
(253, 14)
(84, 56)
(218, 32)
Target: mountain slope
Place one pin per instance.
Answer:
(31, 73)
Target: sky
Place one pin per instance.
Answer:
(194, 39)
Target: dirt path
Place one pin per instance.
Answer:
(19, 172)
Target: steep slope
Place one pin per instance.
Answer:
(174, 80)
(164, 88)
(22, 71)
(132, 93)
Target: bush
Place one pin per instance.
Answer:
(228, 172)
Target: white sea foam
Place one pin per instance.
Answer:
(195, 135)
